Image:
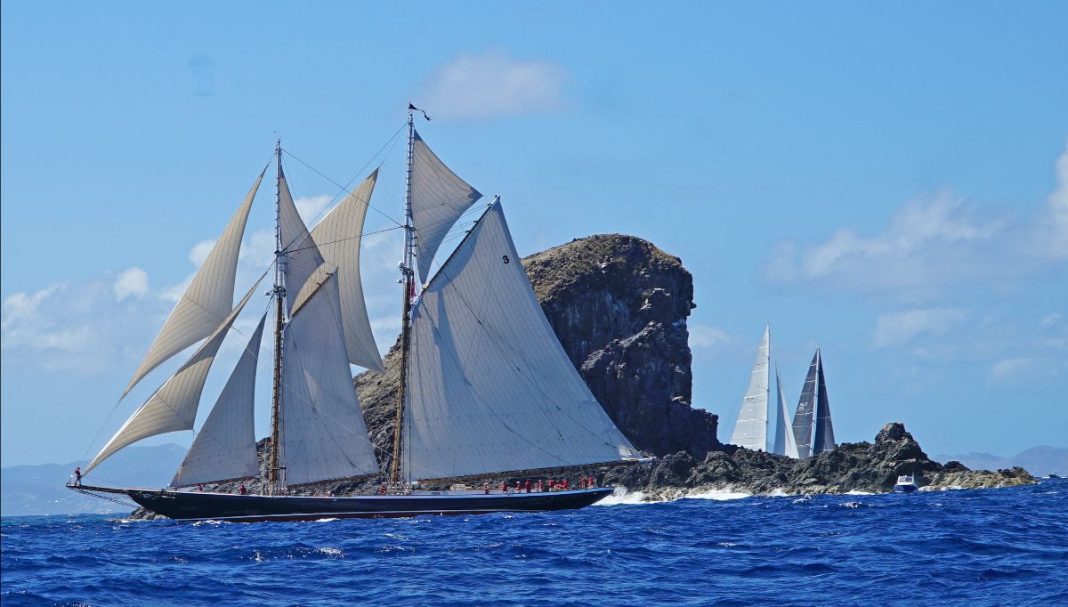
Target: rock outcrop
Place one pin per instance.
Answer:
(869, 467)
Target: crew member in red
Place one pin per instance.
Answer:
(242, 489)
(527, 485)
(567, 484)
(504, 486)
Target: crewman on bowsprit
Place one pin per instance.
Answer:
(77, 476)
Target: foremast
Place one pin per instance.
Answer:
(275, 478)
(407, 281)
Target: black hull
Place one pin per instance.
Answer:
(188, 505)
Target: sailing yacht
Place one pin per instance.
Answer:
(751, 428)
(486, 388)
(814, 413)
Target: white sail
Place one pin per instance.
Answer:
(784, 431)
(490, 387)
(338, 239)
(206, 301)
(751, 429)
(225, 447)
(174, 405)
(438, 199)
(323, 432)
(303, 261)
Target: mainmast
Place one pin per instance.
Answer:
(408, 283)
(275, 480)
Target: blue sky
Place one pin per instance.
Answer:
(887, 181)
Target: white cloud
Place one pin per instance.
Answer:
(78, 328)
(929, 243)
(200, 252)
(130, 282)
(1009, 367)
(1050, 320)
(311, 208)
(1053, 230)
(493, 84)
(898, 328)
(706, 337)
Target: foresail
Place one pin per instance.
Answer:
(751, 429)
(490, 387)
(225, 447)
(802, 425)
(784, 432)
(206, 301)
(174, 405)
(824, 434)
(438, 199)
(323, 432)
(338, 237)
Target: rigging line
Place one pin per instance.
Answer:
(345, 188)
(319, 245)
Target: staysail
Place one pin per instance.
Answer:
(206, 301)
(225, 448)
(491, 388)
(302, 257)
(338, 239)
(323, 436)
(805, 409)
(784, 432)
(174, 405)
(824, 434)
(751, 429)
(438, 198)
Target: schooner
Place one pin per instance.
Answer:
(486, 388)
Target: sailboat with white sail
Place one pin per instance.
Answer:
(751, 427)
(486, 388)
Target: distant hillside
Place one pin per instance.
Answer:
(1039, 461)
(39, 489)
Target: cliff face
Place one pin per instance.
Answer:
(619, 306)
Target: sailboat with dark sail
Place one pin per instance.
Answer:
(814, 413)
(486, 388)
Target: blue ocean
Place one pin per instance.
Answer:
(984, 547)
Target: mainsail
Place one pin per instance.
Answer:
(438, 197)
(805, 409)
(491, 388)
(206, 301)
(324, 436)
(338, 237)
(174, 405)
(225, 447)
(824, 439)
(784, 432)
(751, 429)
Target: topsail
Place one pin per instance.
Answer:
(438, 198)
(206, 301)
(339, 236)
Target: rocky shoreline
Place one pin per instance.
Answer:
(619, 306)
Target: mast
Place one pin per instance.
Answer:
(274, 481)
(407, 282)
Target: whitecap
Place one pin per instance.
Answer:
(326, 520)
(623, 497)
(858, 492)
(719, 495)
